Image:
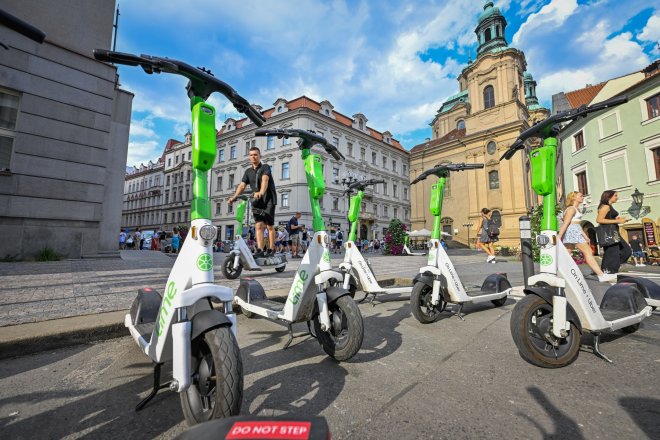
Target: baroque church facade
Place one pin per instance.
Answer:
(496, 102)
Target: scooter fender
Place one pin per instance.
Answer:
(425, 278)
(547, 295)
(335, 292)
(208, 320)
(328, 275)
(496, 283)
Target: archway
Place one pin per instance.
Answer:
(363, 232)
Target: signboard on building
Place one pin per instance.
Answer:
(649, 232)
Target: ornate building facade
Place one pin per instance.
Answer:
(496, 102)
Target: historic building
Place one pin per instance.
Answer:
(143, 196)
(369, 154)
(616, 149)
(177, 191)
(63, 132)
(496, 102)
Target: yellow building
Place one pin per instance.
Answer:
(495, 104)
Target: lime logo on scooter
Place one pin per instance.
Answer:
(205, 262)
(326, 257)
(298, 285)
(170, 293)
(546, 260)
(432, 257)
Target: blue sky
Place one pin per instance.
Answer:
(395, 61)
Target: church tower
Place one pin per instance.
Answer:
(476, 125)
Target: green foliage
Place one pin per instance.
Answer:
(48, 254)
(395, 238)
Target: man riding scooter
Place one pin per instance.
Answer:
(260, 179)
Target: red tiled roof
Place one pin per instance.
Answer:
(584, 96)
(305, 102)
(456, 133)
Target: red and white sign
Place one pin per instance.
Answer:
(270, 430)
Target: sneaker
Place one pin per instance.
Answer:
(269, 253)
(488, 258)
(607, 278)
(642, 265)
(259, 254)
(493, 260)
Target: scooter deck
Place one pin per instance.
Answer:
(474, 293)
(275, 260)
(268, 304)
(613, 315)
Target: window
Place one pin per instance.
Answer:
(375, 209)
(335, 173)
(653, 106)
(286, 141)
(349, 147)
(167, 181)
(395, 190)
(169, 161)
(386, 211)
(285, 200)
(384, 163)
(285, 170)
(247, 148)
(493, 179)
(491, 148)
(189, 155)
(405, 193)
(165, 218)
(335, 142)
(405, 214)
(460, 124)
(232, 152)
(578, 140)
(221, 155)
(218, 208)
(181, 195)
(230, 208)
(335, 204)
(405, 169)
(373, 157)
(363, 153)
(581, 178)
(489, 97)
(377, 188)
(188, 176)
(178, 216)
(174, 196)
(230, 182)
(176, 176)
(361, 124)
(488, 35)
(270, 142)
(167, 197)
(218, 186)
(187, 194)
(176, 159)
(394, 165)
(396, 212)
(385, 188)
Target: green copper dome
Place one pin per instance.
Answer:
(489, 9)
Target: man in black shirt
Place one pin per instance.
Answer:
(260, 179)
(638, 253)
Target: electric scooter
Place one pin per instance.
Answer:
(358, 274)
(437, 283)
(407, 250)
(316, 294)
(240, 256)
(560, 303)
(181, 325)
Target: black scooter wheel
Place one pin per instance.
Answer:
(217, 369)
(420, 304)
(228, 268)
(531, 329)
(280, 269)
(344, 339)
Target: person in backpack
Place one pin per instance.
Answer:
(488, 234)
(339, 239)
(294, 234)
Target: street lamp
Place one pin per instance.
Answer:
(638, 197)
(468, 226)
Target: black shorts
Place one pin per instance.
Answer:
(266, 215)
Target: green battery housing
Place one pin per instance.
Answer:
(203, 142)
(315, 182)
(543, 169)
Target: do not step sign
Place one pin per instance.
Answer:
(273, 430)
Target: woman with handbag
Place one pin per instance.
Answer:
(617, 251)
(486, 237)
(572, 234)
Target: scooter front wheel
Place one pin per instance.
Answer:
(344, 338)
(228, 268)
(217, 388)
(531, 329)
(420, 304)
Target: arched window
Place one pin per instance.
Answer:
(489, 97)
(460, 124)
(361, 124)
(491, 148)
(497, 218)
(327, 112)
(493, 179)
(488, 35)
(447, 226)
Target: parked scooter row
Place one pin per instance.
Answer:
(193, 322)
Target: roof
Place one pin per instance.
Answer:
(453, 100)
(584, 96)
(308, 103)
(456, 133)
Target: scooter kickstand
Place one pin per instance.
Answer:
(155, 389)
(290, 337)
(597, 351)
(458, 313)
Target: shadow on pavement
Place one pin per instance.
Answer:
(645, 412)
(564, 426)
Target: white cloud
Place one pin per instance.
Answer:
(143, 128)
(142, 152)
(551, 16)
(651, 31)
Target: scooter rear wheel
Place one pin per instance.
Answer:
(531, 329)
(228, 268)
(344, 339)
(420, 304)
(217, 388)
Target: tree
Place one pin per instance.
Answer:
(536, 217)
(394, 239)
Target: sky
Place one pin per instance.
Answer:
(395, 61)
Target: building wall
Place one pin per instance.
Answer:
(296, 187)
(63, 187)
(617, 156)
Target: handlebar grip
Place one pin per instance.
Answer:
(18, 25)
(119, 57)
(269, 132)
(335, 153)
(472, 166)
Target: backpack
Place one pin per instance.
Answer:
(340, 236)
(493, 230)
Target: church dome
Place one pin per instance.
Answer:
(489, 10)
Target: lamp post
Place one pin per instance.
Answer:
(468, 226)
(638, 197)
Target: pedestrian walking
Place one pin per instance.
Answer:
(488, 234)
(175, 240)
(638, 251)
(294, 234)
(618, 251)
(139, 240)
(122, 240)
(339, 239)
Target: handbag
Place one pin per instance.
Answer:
(608, 235)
